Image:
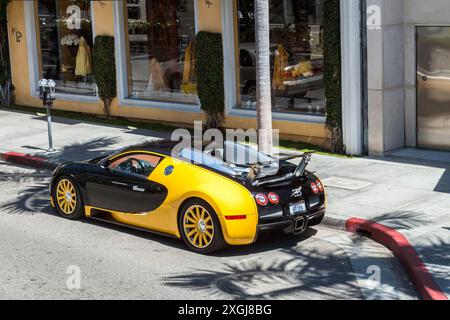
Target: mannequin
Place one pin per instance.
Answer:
(83, 66)
(156, 77)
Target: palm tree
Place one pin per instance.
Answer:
(263, 84)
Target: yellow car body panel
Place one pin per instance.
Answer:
(187, 181)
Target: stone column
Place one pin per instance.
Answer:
(351, 76)
(386, 85)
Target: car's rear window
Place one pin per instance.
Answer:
(202, 158)
(233, 159)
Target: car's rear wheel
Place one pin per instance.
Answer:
(68, 200)
(200, 228)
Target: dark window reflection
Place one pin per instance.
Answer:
(65, 31)
(296, 56)
(161, 50)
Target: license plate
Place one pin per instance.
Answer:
(297, 208)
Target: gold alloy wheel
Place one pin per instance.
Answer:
(66, 196)
(198, 226)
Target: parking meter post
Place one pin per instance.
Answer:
(49, 125)
(47, 94)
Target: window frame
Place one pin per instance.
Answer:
(33, 45)
(122, 68)
(231, 68)
(115, 157)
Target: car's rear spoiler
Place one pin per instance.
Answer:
(287, 178)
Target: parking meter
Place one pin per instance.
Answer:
(47, 93)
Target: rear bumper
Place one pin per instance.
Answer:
(291, 224)
(239, 232)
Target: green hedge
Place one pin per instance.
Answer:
(104, 69)
(332, 73)
(209, 69)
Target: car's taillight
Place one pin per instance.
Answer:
(273, 198)
(314, 188)
(261, 199)
(320, 185)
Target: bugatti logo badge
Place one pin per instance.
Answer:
(168, 171)
(297, 193)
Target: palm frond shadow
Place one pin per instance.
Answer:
(86, 150)
(299, 271)
(35, 198)
(32, 200)
(403, 219)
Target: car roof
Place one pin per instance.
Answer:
(165, 147)
(158, 146)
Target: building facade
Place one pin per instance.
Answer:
(395, 64)
(408, 69)
(155, 67)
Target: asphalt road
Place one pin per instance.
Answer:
(43, 256)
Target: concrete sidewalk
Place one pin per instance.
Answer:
(403, 191)
(73, 140)
(408, 191)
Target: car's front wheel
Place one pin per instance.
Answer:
(200, 228)
(68, 200)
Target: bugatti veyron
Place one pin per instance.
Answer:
(209, 203)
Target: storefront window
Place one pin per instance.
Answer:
(65, 34)
(296, 56)
(161, 50)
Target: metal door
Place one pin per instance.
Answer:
(433, 87)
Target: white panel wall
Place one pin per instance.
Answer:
(392, 70)
(418, 13)
(386, 91)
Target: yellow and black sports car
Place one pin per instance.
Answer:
(162, 188)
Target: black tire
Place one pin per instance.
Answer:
(316, 221)
(78, 211)
(216, 243)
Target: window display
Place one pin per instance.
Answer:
(161, 38)
(65, 34)
(296, 56)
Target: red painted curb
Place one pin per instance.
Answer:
(25, 159)
(400, 246)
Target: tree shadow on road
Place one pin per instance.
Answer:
(308, 271)
(300, 272)
(402, 219)
(94, 148)
(34, 197)
(153, 129)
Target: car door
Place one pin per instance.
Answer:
(121, 188)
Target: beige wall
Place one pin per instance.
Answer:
(209, 19)
(18, 52)
(210, 16)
